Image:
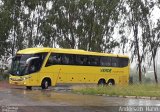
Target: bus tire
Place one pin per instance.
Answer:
(102, 82)
(29, 87)
(111, 82)
(46, 83)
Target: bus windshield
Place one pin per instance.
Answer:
(19, 67)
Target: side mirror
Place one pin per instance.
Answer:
(30, 59)
(10, 58)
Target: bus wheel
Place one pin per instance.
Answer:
(102, 82)
(29, 87)
(110, 82)
(45, 84)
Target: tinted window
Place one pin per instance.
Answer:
(54, 59)
(115, 62)
(105, 61)
(93, 60)
(61, 59)
(81, 60)
(123, 62)
(86, 60)
(68, 59)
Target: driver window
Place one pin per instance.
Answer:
(34, 65)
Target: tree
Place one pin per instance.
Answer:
(5, 26)
(152, 36)
(138, 13)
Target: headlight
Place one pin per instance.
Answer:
(24, 78)
(20, 79)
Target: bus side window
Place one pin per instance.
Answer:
(93, 61)
(65, 59)
(126, 61)
(123, 62)
(68, 59)
(115, 62)
(72, 59)
(102, 61)
(105, 61)
(34, 65)
(57, 59)
(53, 59)
(81, 60)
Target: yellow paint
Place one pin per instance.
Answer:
(71, 73)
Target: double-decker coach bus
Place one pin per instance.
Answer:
(50, 66)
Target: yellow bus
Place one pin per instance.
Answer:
(51, 66)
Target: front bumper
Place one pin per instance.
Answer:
(21, 81)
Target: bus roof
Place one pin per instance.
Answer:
(67, 51)
(34, 50)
